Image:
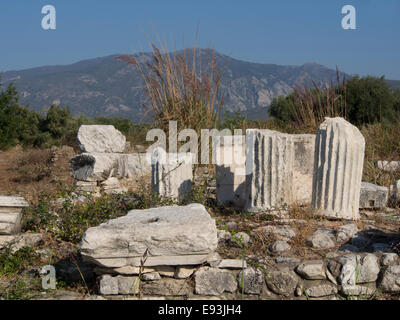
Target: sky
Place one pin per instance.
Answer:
(285, 32)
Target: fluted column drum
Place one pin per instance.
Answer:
(338, 166)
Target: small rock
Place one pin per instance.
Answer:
(241, 239)
(166, 287)
(282, 282)
(279, 247)
(280, 231)
(390, 259)
(252, 282)
(312, 270)
(346, 232)
(390, 280)
(299, 290)
(151, 276)
(118, 285)
(321, 239)
(356, 269)
(287, 260)
(232, 264)
(357, 290)
(369, 269)
(224, 236)
(373, 196)
(320, 290)
(213, 281)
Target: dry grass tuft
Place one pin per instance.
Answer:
(180, 87)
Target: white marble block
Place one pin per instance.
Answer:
(173, 235)
(100, 139)
(172, 174)
(10, 214)
(269, 169)
(338, 166)
(230, 170)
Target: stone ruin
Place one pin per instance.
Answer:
(338, 167)
(10, 224)
(263, 170)
(158, 249)
(102, 165)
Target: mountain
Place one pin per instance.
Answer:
(109, 87)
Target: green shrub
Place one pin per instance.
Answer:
(70, 220)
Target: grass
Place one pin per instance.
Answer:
(180, 87)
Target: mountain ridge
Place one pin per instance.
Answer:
(104, 86)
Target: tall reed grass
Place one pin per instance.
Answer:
(312, 104)
(183, 86)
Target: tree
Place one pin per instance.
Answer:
(369, 100)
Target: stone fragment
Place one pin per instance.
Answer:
(125, 271)
(373, 196)
(321, 239)
(172, 174)
(224, 236)
(232, 264)
(321, 290)
(282, 282)
(17, 242)
(11, 214)
(93, 167)
(269, 174)
(166, 287)
(390, 279)
(279, 246)
(214, 281)
(358, 269)
(389, 166)
(365, 291)
(108, 285)
(280, 231)
(173, 235)
(151, 276)
(390, 259)
(131, 165)
(251, 281)
(100, 138)
(339, 157)
(240, 239)
(118, 285)
(345, 232)
(369, 269)
(287, 260)
(312, 270)
(112, 185)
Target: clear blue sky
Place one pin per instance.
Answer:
(288, 32)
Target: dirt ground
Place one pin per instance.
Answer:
(28, 172)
